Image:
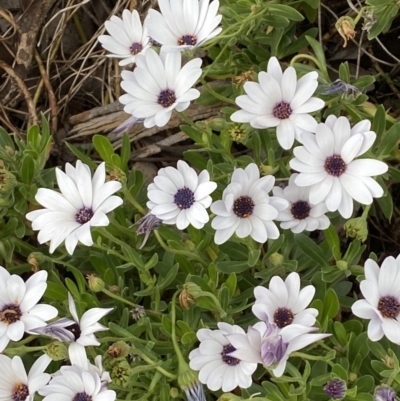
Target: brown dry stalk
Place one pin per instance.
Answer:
(23, 89)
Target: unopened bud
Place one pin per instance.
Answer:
(116, 174)
(120, 372)
(267, 170)
(96, 284)
(238, 133)
(217, 124)
(276, 259)
(7, 182)
(353, 376)
(357, 228)
(57, 351)
(342, 265)
(335, 389)
(174, 392)
(385, 394)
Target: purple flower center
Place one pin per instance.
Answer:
(10, 313)
(335, 389)
(84, 215)
(282, 110)
(75, 329)
(243, 206)
(20, 392)
(300, 210)
(136, 48)
(389, 307)
(187, 40)
(229, 360)
(334, 165)
(166, 98)
(82, 397)
(184, 198)
(283, 317)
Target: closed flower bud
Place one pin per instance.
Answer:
(267, 170)
(384, 394)
(174, 392)
(96, 284)
(120, 372)
(357, 228)
(118, 349)
(7, 182)
(138, 311)
(116, 174)
(189, 383)
(276, 259)
(147, 224)
(342, 265)
(217, 124)
(238, 133)
(185, 299)
(34, 260)
(57, 351)
(335, 388)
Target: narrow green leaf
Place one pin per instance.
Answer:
(333, 240)
(310, 248)
(27, 169)
(103, 147)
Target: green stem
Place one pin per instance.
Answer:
(366, 211)
(154, 364)
(314, 60)
(178, 251)
(132, 200)
(173, 332)
(311, 357)
(23, 350)
(111, 252)
(188, 120)
(216, 94)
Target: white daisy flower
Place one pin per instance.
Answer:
(78, 332)
(280, 100)
(159, 85)
(217, 369)
(184, 24)
(267, 344)
(98, 368)
(382, 299)
(76, 384)
(15, 384)
(326, 165)
(246, 208)
(284, 303)
(301, 214)
(180, 196)
(19, 311)
(128, 37)
(82, 203)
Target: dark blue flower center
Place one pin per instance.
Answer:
(243, 206)
(84, 215)
(20, 392)
(300, 210)
(282, 110)
(229, 360)
(136, 48)
(187, 40)
(75, 329)
(82, 397)
(283, 317)
(389, 307)
(166, 98)
(334, 165)
(10, 313)
(184, 198)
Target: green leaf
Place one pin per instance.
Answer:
(231, 283)
(81, 156)
(27, 169)
(232, 267)
(286, 11)
(125, 151)
(379, 121)
(332, 238)
(254, 256)
(103, 147)
(389, 140)
(33, 137)
(311, 249)
(319, 53)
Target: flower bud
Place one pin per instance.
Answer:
(146, 225)
(57, 350)
(276, 259)
(120, 372)
(7, 182)
(185, 299)
(267, 170)
(384, 394)
(238, 133)
(116, 174)
(217, 124)
(357, 228)
(335, 388)
(174, 392)
(96, 284)
(342, 265)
